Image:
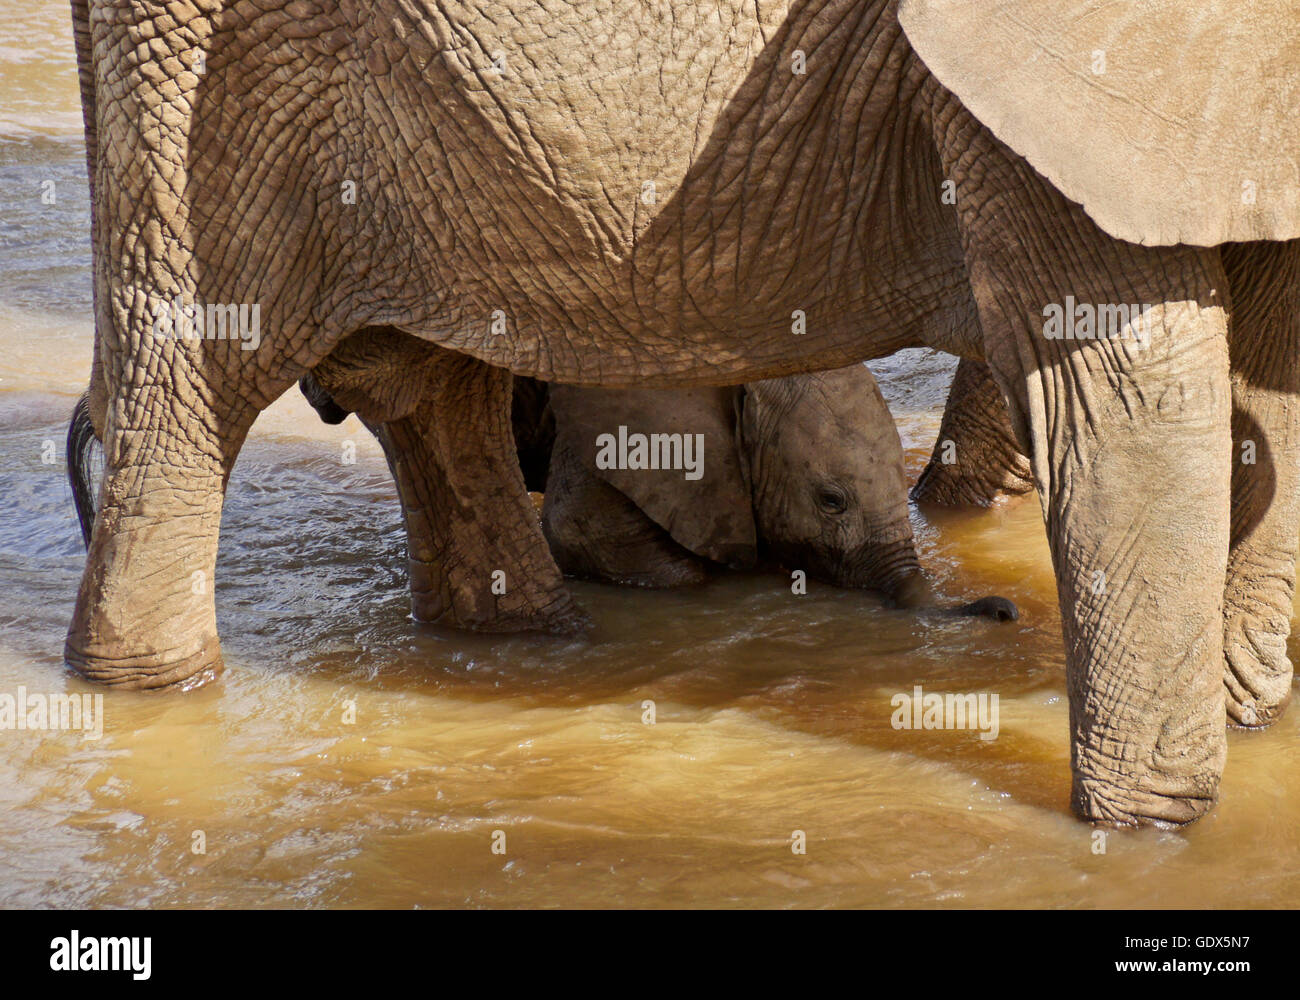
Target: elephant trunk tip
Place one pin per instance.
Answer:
(998, 608)
(914, 592)
(321, 401)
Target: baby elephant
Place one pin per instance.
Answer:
(650, 487)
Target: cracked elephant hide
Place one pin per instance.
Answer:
(643, 192)
(977, 459)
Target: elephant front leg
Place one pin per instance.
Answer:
(1135, 448)
(1264, 279)
(1115, 358)
(477, 556)
(1131, 443)
(145, 615)
(976, 458)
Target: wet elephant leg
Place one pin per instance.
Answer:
(1130, 442)
(478, 559)
(145, 615)
(976, 458)
(171, 413)
(1134, 481)
(1264, 280)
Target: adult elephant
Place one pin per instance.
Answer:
(644, 191)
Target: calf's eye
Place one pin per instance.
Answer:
(832, 501)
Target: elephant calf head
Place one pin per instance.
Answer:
(825, 466)
(805, 471)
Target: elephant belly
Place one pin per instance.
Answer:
(620, 189)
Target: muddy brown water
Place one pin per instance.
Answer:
(351, 757)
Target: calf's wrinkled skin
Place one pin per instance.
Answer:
(803, 472)
(656, 192)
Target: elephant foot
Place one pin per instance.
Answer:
(437, 601)
(1164, 802)
(1259, 591)
(476, 554)
(150, 672)
(1257, 677)
(144, 617)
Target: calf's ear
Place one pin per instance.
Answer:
(1168, 121)
(709, 514)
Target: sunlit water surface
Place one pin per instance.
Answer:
(772, 711)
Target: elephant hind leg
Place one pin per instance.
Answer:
(597, 533)
(144, 616)
(477, 556)
(1263, 343)
(976, 457)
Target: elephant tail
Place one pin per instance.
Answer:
(80, 451)
(321, 401)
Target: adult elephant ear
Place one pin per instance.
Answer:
(1169, 122)
(704, 504)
